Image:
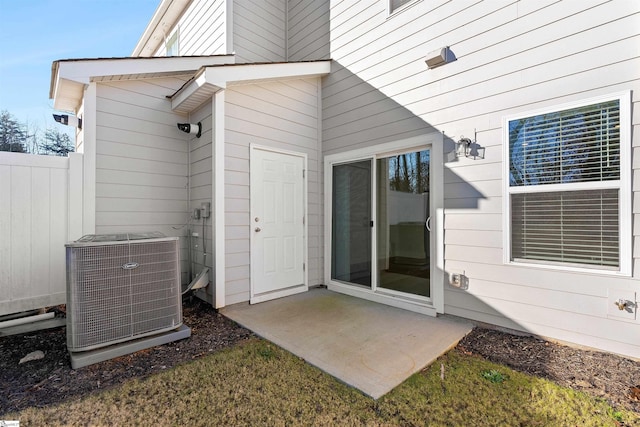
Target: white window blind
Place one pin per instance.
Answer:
(575, 227)
(565, 186)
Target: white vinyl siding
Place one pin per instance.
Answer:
(203, 29)
(512, 57)
(394, 5)
(141, 159)
(255, 30)
(282, 115)
(307, 30)
(259, 30)
(200, 191)
(566, 185)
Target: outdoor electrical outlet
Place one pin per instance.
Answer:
(458, 280)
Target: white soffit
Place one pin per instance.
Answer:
(211, 79)
(68, 77)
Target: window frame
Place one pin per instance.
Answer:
(624, 185)
(391, 12)
(173, 39)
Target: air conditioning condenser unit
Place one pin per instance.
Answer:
(123, 295)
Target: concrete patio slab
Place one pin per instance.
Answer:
(370, 346)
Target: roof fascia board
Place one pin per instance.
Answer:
(224, 76)
(219, 77)
(190, 89)
(83, 71)
(164, 18)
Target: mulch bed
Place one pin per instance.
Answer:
(604, 375)
(51, 380)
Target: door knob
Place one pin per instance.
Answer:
(258, 229)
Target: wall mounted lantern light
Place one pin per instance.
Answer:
(463, 147)
(467, 147)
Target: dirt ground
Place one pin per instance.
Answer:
(51, 380)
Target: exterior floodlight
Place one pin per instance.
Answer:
(191, 128)
(64, 119)
(439, 57)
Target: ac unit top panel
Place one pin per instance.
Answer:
(97, 239)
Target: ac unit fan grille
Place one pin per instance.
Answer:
(110, 304)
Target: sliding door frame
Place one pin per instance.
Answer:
(433, 142)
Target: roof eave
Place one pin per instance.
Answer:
(69, 77)
(163, 20)
(211, 79)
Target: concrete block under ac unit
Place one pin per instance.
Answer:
(439, 57)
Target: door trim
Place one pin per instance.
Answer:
(253, 298)
(434, 142)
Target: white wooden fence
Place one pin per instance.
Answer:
(40, 210)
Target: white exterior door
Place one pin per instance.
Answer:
(277, 223)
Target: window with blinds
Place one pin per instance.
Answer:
(565, 186)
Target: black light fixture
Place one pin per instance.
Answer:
(64, 119)
(193, 128)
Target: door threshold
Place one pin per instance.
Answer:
(422, 307)
(281, 293)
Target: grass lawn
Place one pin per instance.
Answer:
(258, 383)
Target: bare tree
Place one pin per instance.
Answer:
(56, 143)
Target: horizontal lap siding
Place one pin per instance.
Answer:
(281, 115)
(141, 160)
(307, 30)
(512, 56)
(200, 185)
(202, 29)
(259, 30)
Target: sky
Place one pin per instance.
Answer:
(34, 33)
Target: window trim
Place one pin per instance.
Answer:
(175, 34)
(392, 12)
(625, 236)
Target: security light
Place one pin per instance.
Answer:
(191, 128)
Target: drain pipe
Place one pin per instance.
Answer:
(25, 320)
(202, 279)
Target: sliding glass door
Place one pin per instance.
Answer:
(402, 189)
(351, 234)
(380, 236)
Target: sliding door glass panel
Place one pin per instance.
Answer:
(351, 223)
(402, 186)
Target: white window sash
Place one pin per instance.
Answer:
(623, 185)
